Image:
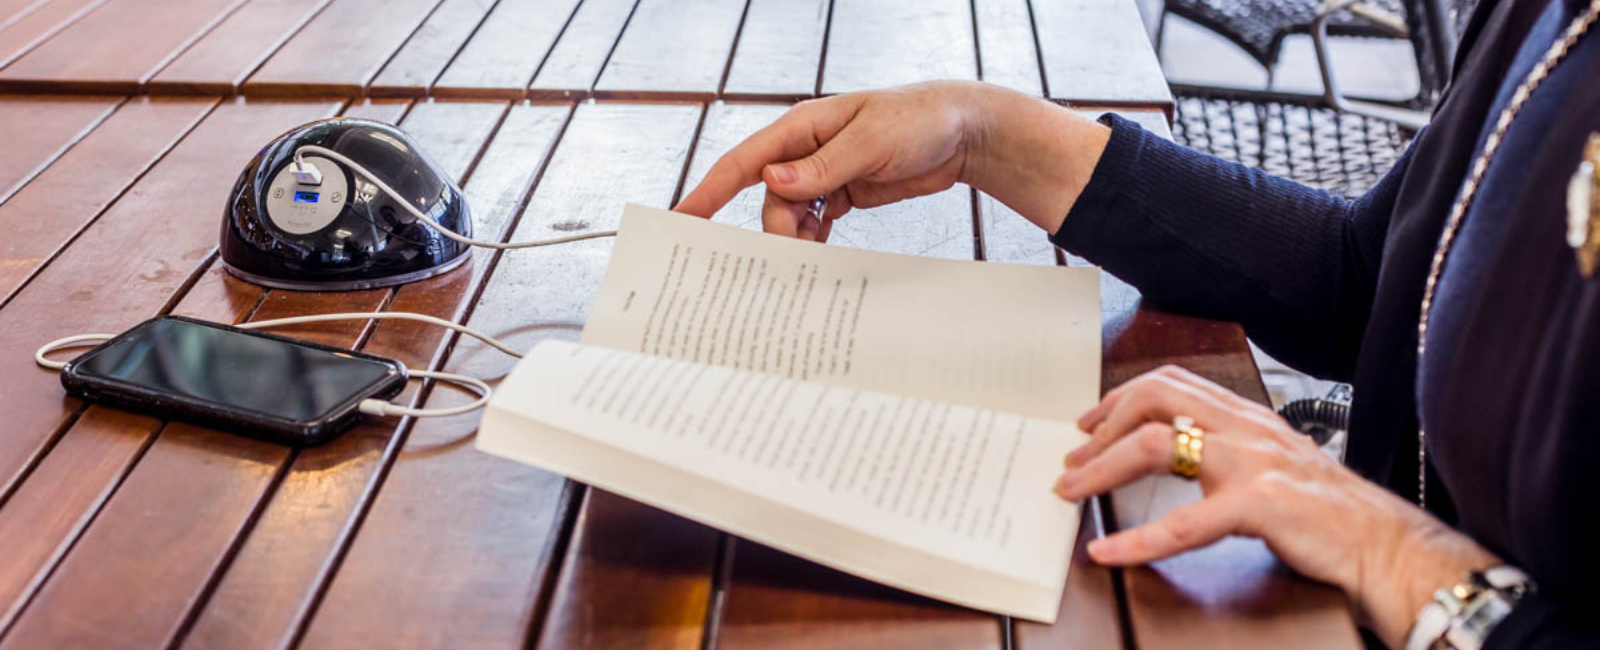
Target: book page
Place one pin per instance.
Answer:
(949, 501)
(1022, 339)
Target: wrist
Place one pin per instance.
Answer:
(1031, 154)
(1428, 556)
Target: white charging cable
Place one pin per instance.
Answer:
(375, 407)
(306, 170)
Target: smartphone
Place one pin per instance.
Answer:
(242, 381)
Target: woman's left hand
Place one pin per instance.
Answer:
(1263, 479)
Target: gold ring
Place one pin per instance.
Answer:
(1187, 446)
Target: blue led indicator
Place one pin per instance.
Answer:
(305, 197)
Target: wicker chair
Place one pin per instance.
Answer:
(1339, 143)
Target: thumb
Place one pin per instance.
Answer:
(841, 160)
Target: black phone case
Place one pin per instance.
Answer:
(256, 425)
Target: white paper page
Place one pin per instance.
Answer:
(966, 485)
(1022, 339)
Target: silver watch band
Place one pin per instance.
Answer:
(1461, 616)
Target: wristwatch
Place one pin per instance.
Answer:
(1461, 616)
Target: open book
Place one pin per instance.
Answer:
(898, 418)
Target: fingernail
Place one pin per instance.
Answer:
(1064, 484)
(784, 173)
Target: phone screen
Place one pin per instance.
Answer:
(235, 370)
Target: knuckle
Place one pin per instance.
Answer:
(1154, 441)
(1183, 531)
(818, 165)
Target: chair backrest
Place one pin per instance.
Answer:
(1435, 27)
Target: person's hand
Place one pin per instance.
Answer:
(1263, 479)
(868, 149)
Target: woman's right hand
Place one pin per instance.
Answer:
(873, 148)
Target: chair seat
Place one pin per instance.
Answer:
(1307, 142)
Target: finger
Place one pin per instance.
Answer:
(780, 216)
(838, 205)
(1185, 528)
(1214, 390)
(797, 133)
(1142, 453)
(850, 155)
(1155, 399)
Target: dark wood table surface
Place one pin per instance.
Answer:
(123, 124)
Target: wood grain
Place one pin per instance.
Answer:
(324, 58)
(96, 54)
(673, 49)
(273, 580)
(482, 586)
(44, 216)
(506, 52)
(1008, 53)
(412, 70)
(780, 51)
(13, 10)
(38, 129)
(29, 30)
(221, 60)
(121, 271)
(388, 111)
(48, 512)
(1008, 237)
(1096, 52)
(893, 42)
(579, 55)
(171, 523)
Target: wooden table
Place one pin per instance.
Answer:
(122, 531)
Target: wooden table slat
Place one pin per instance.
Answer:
(65, 198)
(1096, 52)
(94, 54)
(388, 111)
(219, 62)
(873, 44)
(780, 51)
(38, 129)
(413, 69)
(1006, 236)
(29, 30)
(172, 521)
(273, 580)
(13, 10)
(504, 55)
(673, 49)
(325, 57)
(1007, 51)
(47, 513)
(501, 179)
(484, 583)
(121, 270)
(575, 63)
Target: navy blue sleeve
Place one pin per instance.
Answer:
(1298, 267)
(1539, 623)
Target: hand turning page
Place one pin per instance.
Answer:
(770, 388)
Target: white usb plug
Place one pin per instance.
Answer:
(306, 173)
